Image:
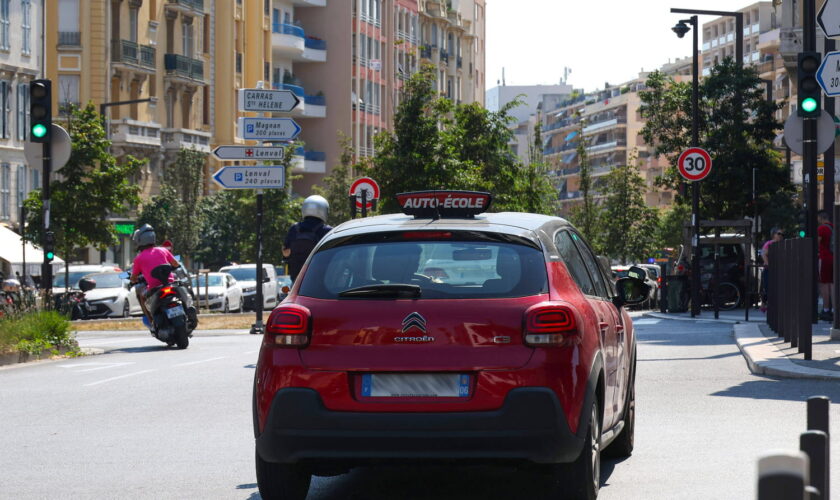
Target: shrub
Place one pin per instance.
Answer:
(36, 332)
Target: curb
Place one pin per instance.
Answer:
(764, 358)
(680, 318)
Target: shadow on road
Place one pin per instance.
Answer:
(147, 348)
(782, 389)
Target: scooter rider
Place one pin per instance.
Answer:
(304, 235)
(149, 257)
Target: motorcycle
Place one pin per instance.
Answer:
(173, 319)
(73, 301)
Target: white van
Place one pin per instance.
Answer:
(246, 275)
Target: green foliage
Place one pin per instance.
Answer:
(91, 186)
(35, 332)
(587, 216)
(629, 227)
(538, 193)
(336, 186)
(671, 223)
(229, 227)
(173, 212)
(436, 144)
(737, 126)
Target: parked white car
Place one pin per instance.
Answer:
(220, 290)
(77, 272)
(112, 297)
(246, 275)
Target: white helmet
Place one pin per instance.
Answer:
(315, 206)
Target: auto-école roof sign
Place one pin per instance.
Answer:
(434, 204)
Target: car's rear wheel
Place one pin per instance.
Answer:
(281, 481)
(581, 479)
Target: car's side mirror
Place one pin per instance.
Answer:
(637, 272)
(630, 291)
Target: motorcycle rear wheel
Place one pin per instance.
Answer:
(181, 337)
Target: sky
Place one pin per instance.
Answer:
(601, 41)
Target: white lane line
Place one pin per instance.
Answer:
(118, 377)
(202, 361)
(251, 352)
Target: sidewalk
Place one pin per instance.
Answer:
(768, 354)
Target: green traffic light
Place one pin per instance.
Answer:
(801, 234)
(50, 255)
(39, 130)
(809, 104)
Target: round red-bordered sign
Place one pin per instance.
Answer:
(368, 184)
(694, 164)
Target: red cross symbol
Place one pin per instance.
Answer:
(249, 152)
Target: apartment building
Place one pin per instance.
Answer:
(719, 37)
(21, 60)
(608, 124)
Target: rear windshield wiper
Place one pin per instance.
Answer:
(397, 291)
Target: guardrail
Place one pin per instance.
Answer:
(790, 284)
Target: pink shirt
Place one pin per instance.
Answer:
(149, 259)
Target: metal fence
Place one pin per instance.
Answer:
(790, 289)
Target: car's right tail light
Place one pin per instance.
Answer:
(551, 325)
(289, 326)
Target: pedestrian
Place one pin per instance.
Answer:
(168, 245)
(304, 235)
(825, 254)
(776, 234)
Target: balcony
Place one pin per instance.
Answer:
(186, 6)
(299, 92)
(314, 50)
(619, 120)
(133, 56)
(175, 139)
(444, 56)
(426, 52)
(309, 162)
(310, 3)
(128, 133)
(69, 39)
(316, 106)
(184, 68)
(287, 40)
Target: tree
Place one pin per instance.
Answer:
(629, 226)
(173, 212)
(737, 127)
(586, 216)
(538, 193)
(89, 187)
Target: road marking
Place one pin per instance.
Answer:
(96, 366)
(646, 321)
(118, 377)
(254, 352)
(197, 362)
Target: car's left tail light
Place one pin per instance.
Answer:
(551, 325)
(289, 325)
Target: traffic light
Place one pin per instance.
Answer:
(40, 110)
(801, 223)
(49, 246)
(809, 94)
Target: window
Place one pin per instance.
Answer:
(68, 90)
(594, 268)
(187, 35)
(26, 25)
(132, 25)
(5, 109)
(574, 262)
(4, 24)
(22, 108)
(21, 184)
(5, 189)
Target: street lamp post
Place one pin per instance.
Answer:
(681, 29)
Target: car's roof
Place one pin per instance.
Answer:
(517, 223)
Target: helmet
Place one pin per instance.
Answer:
(315, 206)
(144, 236)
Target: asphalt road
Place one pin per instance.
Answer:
(144, 421)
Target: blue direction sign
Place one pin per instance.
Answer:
(268, 129)
(829, 74)
(256, 177)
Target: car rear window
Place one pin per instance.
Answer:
(443, 268)
(110, 280)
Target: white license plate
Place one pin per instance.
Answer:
(415, 385)
(174, 312)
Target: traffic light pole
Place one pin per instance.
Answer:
(46, 271)
(809, 146)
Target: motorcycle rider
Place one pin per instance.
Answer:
(304, 235)
(149, 257)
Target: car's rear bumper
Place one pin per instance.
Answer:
(530, 426)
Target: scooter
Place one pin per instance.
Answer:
(73, 302)
(174, 320)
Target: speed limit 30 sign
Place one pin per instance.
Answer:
(694, 164)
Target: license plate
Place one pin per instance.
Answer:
(174, 312)
(415, 385)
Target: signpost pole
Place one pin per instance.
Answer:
(809, 160)
(46, 268)
(257, 328)
(695, 186)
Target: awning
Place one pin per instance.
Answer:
(12, 252)
(569, 157)
(571, 136)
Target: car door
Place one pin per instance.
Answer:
(592, 284)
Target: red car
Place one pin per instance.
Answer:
(447, 334)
